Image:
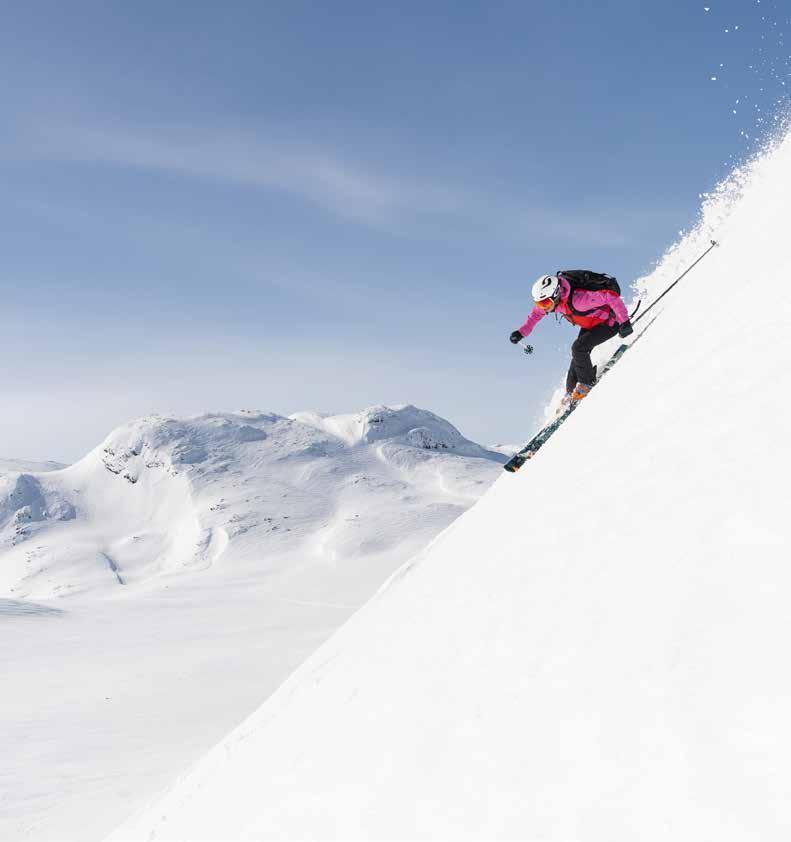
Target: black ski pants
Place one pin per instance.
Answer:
(582, 369)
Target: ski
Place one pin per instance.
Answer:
(538, 440)
(546, 432)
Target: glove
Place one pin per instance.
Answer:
(625, 330)
(528, 349)
(516, 337)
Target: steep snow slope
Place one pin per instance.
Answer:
(597, 649)
(158, 590)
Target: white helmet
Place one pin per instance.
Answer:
(547, 286)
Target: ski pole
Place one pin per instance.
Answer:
(714, 244)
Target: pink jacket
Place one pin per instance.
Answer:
(598, 307)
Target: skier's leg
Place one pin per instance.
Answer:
(581, 358)
(571, 378)
(581, 351)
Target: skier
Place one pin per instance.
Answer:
(599, 313)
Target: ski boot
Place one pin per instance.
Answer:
(580, 391)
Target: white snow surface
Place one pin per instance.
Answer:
(597, 650)
(26, 465)
(158, 590)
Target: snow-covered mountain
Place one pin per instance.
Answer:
(165, 496)
(596, 650)
(155, 592)
(27, 466)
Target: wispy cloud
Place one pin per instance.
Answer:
(307, 171)
(346, 189)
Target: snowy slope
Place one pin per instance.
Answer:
(154, 593)
(597, 649)
(26, 466)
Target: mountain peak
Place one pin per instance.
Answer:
(403, 422)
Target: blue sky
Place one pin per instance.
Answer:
(324, 206)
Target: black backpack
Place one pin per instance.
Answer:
(592, 281)
(587, 280)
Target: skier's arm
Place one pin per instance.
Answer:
(619, 309)
(622, 317)
(533, 319)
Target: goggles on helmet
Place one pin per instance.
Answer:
(547, 304)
